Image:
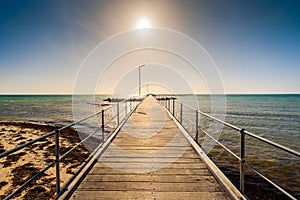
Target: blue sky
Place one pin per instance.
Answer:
(255, 44)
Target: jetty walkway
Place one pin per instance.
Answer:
(151, 158)
(143, 150)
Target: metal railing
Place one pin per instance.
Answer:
(119, 112)
(172, 104)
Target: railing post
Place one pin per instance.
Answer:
(102, 126)
(125, 109)
(197, 126)
(242, 169)
(180, 113)
(166, 103)
(173, 107)
(130, 105)
(169, 102)
(118, 114)
(57, 167)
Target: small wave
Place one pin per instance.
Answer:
(25, 123)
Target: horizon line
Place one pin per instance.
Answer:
(283, 93)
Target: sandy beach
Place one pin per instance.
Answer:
(18, 167)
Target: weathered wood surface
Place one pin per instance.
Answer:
(149, 159)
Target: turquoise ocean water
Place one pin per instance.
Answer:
(44, 108)
(275, 117)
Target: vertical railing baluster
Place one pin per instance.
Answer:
(180, 113)
(118, 114)
(57, 160)
(242, 169)
(173, 106)
(125, 109)
(102, 125)
(197, 126)
(167, 103)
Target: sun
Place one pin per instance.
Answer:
(143, 23)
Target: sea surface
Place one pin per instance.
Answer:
(275, 117)
(44, 108)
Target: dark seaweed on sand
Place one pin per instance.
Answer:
(3, 183)
(45, 189)
(23, 173)
(2, 148)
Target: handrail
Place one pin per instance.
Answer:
(296, 153)
(6, 153)
(82, 141)
(222, 145)
(56, 162)
(286, 149)
(242, 131)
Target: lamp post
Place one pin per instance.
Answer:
(140, 79)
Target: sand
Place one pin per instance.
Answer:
(16, 168)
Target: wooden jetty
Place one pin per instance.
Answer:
(152, 157)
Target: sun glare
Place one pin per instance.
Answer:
(143, 23)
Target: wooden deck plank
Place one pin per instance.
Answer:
(159, 172)
(150, 195)
(146, 178)
(152, 186)
(171, 166)
(149, 159)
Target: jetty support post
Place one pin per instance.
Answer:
(197, 126)
(130, 104)
(102, 125)
(57, 160)
(125, 108)
(242, 161)
(180, 113)
(173, 103)
(118, 114)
